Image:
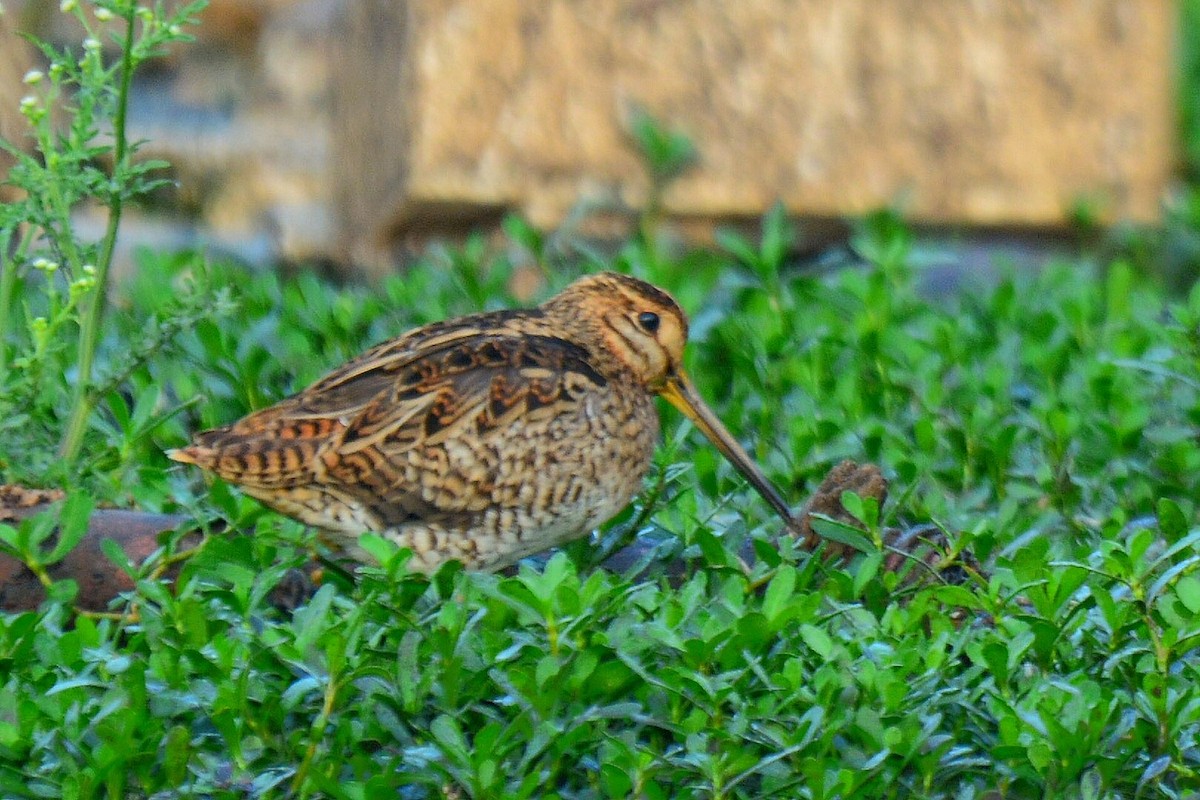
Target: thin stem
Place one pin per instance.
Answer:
(8, 278)
(83, 400)
(53, 200)
(8, 282)
(300, 780)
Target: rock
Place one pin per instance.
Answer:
(993, 113)
(16, 59)
(98, 578)
(241, 114)
(339, 131)
(246, 129)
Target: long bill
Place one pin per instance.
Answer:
(680, 392)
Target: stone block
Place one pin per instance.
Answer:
(241, 115)
(981, 112)
(15, 60)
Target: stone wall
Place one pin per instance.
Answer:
(999, 112)
(242, 115)
(15, 60)
(336, 129)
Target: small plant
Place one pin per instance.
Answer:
(665, 155)
(53, 284)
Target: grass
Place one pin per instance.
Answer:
(1048, 424)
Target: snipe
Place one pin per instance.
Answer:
(484, 438)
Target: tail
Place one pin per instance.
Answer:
(193, 454)
(252, 461)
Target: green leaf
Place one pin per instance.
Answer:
(72, 526)
(778, 236)
(711, 547)
(817, 639)
(117, 556)
(737, 246)
(64, 591)
(865, 510)
(615, 781)
(543, 585)
(32, 531)
(867, 571)
(667, 154)
(548, 667)
(1153, 771)
(779, 592)
(520, 231)
(377, 547)
(10, 734)
(1188, 589)
(144, 407)
(1118, 289)
(311, 621)
(924, 434)
(301, 690)
(408, 670)
(10, 539)
(1171, 520)
(837, 531)
(448, 735)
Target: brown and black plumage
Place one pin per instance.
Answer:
(484, 438)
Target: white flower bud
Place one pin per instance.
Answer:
(103, 14)
(79, 287)
(33, 76)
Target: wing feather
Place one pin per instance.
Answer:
(350, 432)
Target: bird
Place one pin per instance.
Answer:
(484, 438)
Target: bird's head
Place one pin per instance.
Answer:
(634, 326)
(630, 325)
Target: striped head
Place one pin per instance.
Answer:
(626, 323)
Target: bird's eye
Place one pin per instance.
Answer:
(649, 321)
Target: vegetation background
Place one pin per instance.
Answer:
(1047, 422)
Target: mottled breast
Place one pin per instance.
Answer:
(545, 477)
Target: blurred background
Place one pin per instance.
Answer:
(350, 133)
